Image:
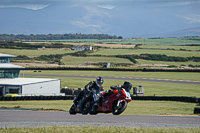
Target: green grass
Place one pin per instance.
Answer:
(146, 51)
(192, 76)
(161, 41)
(134, 107)
(150, 62)
(151, 88)
(70, 60)
(171, 47)
(89, 129)
(33, 53)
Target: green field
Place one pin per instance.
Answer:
(71, 60)
(192, 76)
(151, 88)
(34, 53)
(157, 63)
(147, 41)
(171, 47)
(146, 51)
(177, 47)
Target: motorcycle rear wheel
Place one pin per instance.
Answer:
(86, 106)
(117, 110)
(72, 110)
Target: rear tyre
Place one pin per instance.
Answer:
(86, 106)
(72, 110)
(116, 110)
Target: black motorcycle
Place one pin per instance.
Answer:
(83, 104)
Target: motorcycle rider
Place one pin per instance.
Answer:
(126, 85)
(92, 86)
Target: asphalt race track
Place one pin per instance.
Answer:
(120, 78)
(29, 118)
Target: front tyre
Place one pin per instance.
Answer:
(72, 110)
(116, 110)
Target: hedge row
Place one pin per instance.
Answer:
(114, 69)
(168, 98)
(154, 98)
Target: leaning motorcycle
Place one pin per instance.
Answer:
(115, 103)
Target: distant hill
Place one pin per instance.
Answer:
(182, 33)
(126, 19)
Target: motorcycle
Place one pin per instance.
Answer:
(78, 108)
(115, 102)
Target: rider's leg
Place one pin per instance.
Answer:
(82, 93)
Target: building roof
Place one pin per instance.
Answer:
(7, 55)
(24, 81)
(10, 66)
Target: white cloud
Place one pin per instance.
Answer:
(26, 6)
(110, 7)
(195, 18)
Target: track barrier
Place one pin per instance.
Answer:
(71, 97)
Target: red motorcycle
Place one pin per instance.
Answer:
(114, 102)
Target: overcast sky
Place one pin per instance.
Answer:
(188, 19)
(110, 4)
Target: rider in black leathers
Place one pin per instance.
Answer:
(92, 86)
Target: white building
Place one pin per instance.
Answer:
(82, 47)
(30, 86)
(10, 83)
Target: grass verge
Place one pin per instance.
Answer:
(134, 107)
(88, 129)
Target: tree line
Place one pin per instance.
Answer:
(159, 57)
(20, 45)
(21, 37)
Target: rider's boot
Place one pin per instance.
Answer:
(75, 101)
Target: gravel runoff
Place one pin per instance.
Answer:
(96, 124)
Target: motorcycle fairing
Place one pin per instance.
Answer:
(108, 102)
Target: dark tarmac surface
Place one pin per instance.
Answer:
(121, 78)
(28, 118)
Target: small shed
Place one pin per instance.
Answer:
(138, 91)
(106, 65)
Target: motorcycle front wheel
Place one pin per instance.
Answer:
(116, 110)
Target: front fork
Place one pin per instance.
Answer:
(119, 101)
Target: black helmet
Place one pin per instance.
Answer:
(99, 81)
(127, 86)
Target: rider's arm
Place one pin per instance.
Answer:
(116, 87)
(101, 89)
(89, 86)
